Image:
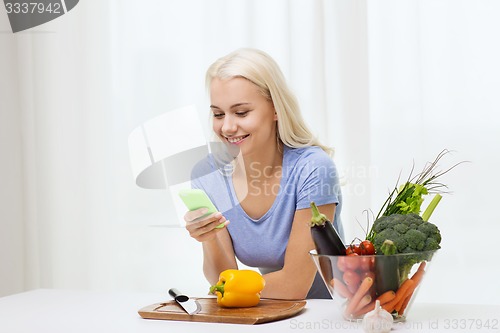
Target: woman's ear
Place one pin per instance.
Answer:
(275, 116)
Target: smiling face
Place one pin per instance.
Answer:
(242, 115)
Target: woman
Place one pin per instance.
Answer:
(278, 169)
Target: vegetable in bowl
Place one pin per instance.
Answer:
(403, 242)
(400, 219)
(410, 234)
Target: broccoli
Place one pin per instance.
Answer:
(411, 234)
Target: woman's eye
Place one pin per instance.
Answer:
(218, 115)
(242, 113)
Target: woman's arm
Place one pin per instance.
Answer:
(218, 253)
(297, 275)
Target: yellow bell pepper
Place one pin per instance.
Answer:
(238, 288)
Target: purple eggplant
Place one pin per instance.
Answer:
(326, 239)
(327, 242)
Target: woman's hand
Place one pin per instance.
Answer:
(203, 229)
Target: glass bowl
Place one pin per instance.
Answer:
(356, 282)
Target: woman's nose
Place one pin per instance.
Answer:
(229, 126)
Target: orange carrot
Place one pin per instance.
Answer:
(399, 304)
(401, 293)
(405, 304)
(365, 309)
(341, 288)
(384, 298)
(364, 301)
(364, 287)
(417, 277)
(419, 273)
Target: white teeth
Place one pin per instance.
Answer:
(233, 140)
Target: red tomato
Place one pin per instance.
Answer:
(352, 280)
(366, 263)
(353, 248)
(367, 274)
(352, 261)
(341, 263)
(366, 248)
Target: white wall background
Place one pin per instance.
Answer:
(384, 82)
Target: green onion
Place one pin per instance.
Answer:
(430, 209)
(407, 198)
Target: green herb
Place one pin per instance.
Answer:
(408, 198)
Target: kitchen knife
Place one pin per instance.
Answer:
(189, 305)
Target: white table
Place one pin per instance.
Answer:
(66, 311)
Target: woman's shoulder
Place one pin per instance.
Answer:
(203, 167)
(308, 155)
(211, 167)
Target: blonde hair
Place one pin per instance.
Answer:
(260, 69)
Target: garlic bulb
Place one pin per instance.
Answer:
(377, 320)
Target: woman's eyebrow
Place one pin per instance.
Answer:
(231, 107)
(239, 104)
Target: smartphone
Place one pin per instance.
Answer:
(196, 199)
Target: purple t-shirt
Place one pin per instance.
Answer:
(308, 174)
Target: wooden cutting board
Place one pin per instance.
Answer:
(266, 311)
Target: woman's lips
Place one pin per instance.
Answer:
(236, 139)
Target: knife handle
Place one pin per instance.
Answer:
(177, 295)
